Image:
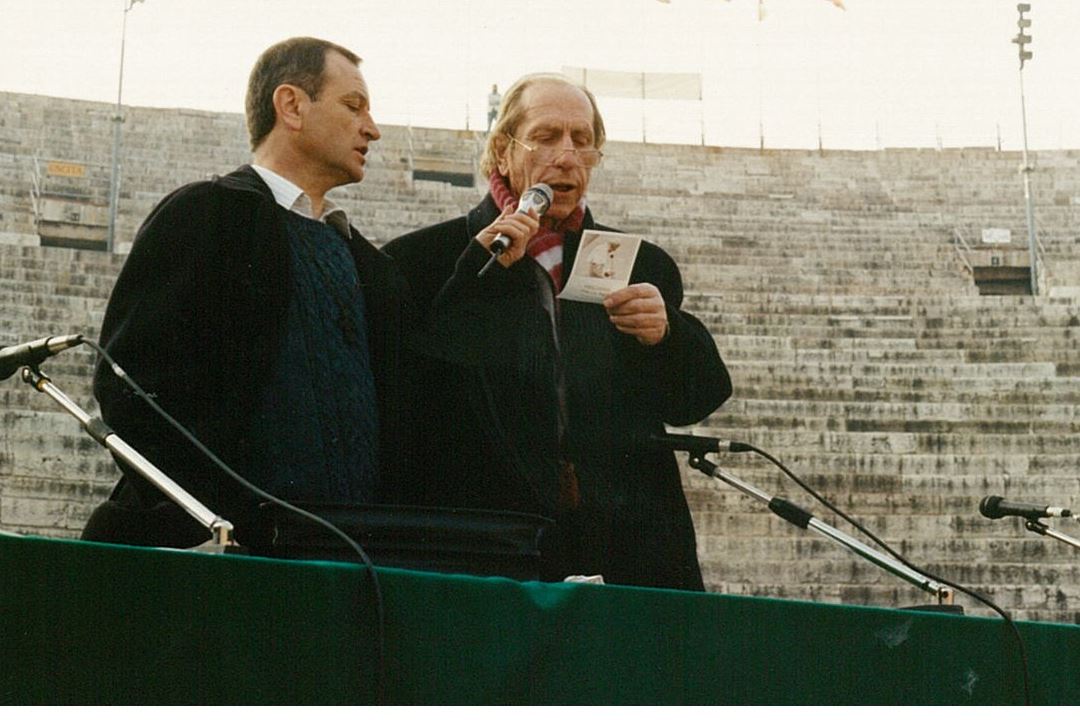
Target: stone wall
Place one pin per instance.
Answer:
(862, 354)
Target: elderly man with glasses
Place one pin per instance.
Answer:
(544, 406)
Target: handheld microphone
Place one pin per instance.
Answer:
(14, 357)
(995, 507)
(696, 444)
(538, 198)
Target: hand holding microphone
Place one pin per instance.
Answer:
(507, 237)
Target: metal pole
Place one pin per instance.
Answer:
(1037, 527)
(221, 530)
(1026, 171)
(643, 140)
(942, 593)
(118, 119)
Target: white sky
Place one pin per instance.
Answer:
(882, 73)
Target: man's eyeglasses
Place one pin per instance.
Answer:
(548, 154)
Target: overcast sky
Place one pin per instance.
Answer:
(883, 73)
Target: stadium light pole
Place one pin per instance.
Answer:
(118, 120)
(1022, 39)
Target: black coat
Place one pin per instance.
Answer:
(491, 408)
(195, 318)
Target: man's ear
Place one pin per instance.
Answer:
(290, 104)
(502, 151)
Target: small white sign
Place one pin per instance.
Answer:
(996, 236)
(603, 265)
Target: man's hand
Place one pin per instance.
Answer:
(518, 227)
(638, 310)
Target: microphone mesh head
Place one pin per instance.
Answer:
(539, 196)
(989, 507)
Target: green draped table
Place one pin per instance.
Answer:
(84, 623)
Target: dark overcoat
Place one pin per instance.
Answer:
(494, 426)
(196, 317)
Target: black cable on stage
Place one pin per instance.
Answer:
(380, 673)
(967, 591)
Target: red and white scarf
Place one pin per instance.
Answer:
(546, 246)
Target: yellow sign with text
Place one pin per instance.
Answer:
(64, 169)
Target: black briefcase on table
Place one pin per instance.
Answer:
(450, 540)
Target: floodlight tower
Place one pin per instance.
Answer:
(118, 119)
(1022, 39)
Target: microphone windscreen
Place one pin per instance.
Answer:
(989, 507)
(539, 196)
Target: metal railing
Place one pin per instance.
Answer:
(962, 248)
(35, 189)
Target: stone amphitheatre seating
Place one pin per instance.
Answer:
(863, 355)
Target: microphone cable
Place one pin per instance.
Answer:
(745, 447)
(380, 632)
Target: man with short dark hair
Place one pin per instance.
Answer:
(545, 406)
(259, 318)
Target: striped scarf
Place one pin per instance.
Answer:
(546, 246)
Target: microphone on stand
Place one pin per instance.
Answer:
(537, 198)
(697, 444)
(34, 352)
(995, 507)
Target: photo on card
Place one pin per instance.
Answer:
(603, 265)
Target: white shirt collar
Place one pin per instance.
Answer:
(288, 195)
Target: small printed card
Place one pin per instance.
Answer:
(603, 265)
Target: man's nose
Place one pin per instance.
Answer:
(565, 154)
(370, 129)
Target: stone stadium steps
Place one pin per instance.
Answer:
(881, 513)
(869, 436)
(1010, 392)
(994, 344)
(1001, 311)
(781, 321)
(862, 355)
(819, 463)
(782, 270)
(72, 275)
(782, 248)
(840, 571)
(57, 260)
(880, 595)
(879, 304)
(738, 348)
(927, 418)
(1045, 603)
(52, 291)
(843, 281)
(84, 287)
(794, 373)
(1003, 390)
(868, 499)
(1006, 568)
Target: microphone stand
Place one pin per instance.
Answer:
(800, 517)
(1037, 527)
(221, 530)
